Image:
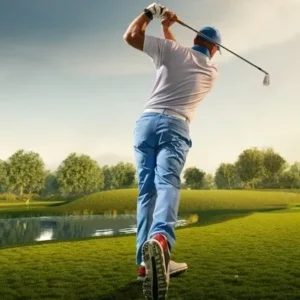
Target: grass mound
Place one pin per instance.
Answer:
(124, 201)
(191, 201)
(256, 257)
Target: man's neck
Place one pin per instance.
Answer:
(201, 49)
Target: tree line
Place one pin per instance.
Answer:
(25, 173)
(254, 168)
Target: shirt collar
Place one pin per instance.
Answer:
(201, 49)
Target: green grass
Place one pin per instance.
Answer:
(19, 204)
(125, 200)
(21, 209)
(262, 249)
(205, 203)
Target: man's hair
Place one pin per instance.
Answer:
(203, 43)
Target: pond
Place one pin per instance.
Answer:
(22, 231)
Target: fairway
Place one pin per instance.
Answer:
(263, 250)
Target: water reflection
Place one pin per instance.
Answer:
(27, 230)
(46, 235)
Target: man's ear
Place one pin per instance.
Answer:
(213, 50)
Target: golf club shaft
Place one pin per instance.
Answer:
(199, 33)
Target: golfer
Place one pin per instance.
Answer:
(184, 76)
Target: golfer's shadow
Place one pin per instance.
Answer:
(131, 291)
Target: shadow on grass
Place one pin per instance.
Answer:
(210, 217)
(67, 200)
(27, 213)
(49, 209)
(131, 291)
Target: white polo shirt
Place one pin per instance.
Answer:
(184, 76)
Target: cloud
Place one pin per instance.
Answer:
(250, 25)
(246, 26)
(77, 57)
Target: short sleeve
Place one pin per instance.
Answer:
(214, 75)
(155, 47)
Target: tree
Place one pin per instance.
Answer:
(273, 162)
(51, 186)
(287, 180)
(273, 165)
(25, 172)
(108, 177)
(250, 166)
(3, 176)
(295, 169)
(225, 176)
(290, 179)
(208, 182)
(122, 175)
(193, 178)
(79, 174)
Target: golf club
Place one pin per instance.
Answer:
(266, 81)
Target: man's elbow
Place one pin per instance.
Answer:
(129, 37)
(126, 37)
(135, 40)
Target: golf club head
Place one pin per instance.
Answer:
(266, 80)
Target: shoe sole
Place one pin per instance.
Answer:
(156, 282)
(174, 273)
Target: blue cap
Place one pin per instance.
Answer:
(212, 33)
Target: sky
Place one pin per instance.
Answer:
(69, 83)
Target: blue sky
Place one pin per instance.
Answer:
(69, 83)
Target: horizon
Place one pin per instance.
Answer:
(69, 82)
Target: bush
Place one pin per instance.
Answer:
(8, 197)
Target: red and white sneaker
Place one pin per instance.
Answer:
(175, 269)
(141, 272)
(156, 256)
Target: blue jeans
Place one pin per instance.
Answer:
(161, 145)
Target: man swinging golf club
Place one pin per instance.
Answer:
(184, 76)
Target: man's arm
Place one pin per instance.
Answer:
(168, 34)
(135, 34)
(168, 20)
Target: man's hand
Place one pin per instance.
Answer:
(169, 18)
(135, 33)
(157, 10)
